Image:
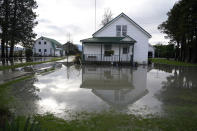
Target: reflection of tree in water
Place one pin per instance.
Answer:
(25, 97)
(72, 70)
(179, 91)
(183, 77)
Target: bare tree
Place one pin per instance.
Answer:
(107, 17)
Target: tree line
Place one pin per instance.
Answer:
(17, 20)
(164, 51)
(181, 29)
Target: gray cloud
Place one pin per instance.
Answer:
(77, 18)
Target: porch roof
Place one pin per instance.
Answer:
(106, 40)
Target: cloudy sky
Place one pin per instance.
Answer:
(58, 18)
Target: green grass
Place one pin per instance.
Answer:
(28, 64)
(9, 83)
(107, 121)
(170, 62)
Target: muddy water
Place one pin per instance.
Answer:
(163, 90)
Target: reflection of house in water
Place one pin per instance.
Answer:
(116, 86)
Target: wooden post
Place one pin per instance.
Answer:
(119, 53)
(132, 53)
(82, 54)
(101, 51)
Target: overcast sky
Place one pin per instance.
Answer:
(58, 18)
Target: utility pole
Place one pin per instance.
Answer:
(95, 15)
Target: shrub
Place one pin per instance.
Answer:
(28, 52)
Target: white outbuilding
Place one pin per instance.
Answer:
(47, 47)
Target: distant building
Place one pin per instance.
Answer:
(151, 51)
(17, 48)
(70, 48)
(47, 47)
(121, 40)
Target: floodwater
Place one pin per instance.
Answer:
(163, 90)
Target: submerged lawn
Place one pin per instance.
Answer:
(179, 105)
(105, 121)
(170, 62)
(28, 64)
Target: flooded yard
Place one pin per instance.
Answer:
(156, 90)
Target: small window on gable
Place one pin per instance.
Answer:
(45, 42)
(124, 30)
(118, 30)
(39, 43)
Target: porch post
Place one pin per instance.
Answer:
(119, 53)
(82, 54)
(101, 51)
(132, 53)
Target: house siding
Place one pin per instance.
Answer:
(140, 47)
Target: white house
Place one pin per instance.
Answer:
(121, 40)
(47, 47)
(151, 51)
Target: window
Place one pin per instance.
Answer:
(39, 43)
(45, 42)
(124, 30)
(108, 47)
(39, 50)
(118, 30)
(108, 50)
(94, 57)
(45, 50)
(125, 50)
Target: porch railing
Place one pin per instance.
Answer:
(113, 58)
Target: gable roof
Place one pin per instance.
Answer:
(55, 44)
(114, 40)
(125, 16)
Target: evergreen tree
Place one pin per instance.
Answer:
(181, 27)
(17, 20)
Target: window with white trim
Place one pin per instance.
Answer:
(124, 30)
(125, 50)
(118, 30)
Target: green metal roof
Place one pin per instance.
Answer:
(114, 40)
(55, 44)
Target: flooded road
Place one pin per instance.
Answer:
(161, 90)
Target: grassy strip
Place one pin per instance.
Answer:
(171, 62)
(109, 121)
(6, 84)
(28, 64)
(9, 83)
